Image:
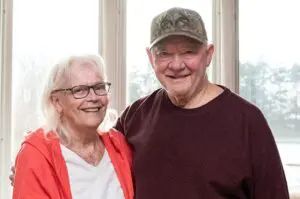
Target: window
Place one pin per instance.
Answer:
(270, 72)
(141, 79)
(43, 32)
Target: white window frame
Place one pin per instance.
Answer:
(225, 37)
(5, 95)
(113, 49)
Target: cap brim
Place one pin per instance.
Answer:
(186, 34)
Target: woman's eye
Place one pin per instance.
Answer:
(78, 90)
(100, 87)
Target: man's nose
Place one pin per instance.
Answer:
(177, 63)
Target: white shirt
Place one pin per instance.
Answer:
(92, 182)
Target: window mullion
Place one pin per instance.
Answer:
(113, 49)
(225, 38)
(5, 95)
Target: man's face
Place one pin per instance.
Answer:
(180, 65)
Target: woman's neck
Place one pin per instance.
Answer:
(86, 144)
(78, 139)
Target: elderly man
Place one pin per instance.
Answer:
(194, 139)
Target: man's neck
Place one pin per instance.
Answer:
(206, 93)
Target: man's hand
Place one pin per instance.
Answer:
(12, 175)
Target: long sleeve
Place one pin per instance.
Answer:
(269, 180)
(31, 177)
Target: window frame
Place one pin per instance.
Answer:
(225, 69)
(113, 49)
(5, 94)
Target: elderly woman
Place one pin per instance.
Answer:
(69, 158)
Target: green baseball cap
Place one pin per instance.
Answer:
(177, 21)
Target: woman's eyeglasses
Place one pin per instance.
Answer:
(82, 91)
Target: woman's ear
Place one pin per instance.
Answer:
(55, 101)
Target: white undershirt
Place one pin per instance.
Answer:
(92, 182)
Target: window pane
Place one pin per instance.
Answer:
(270, 72)
(43, 32)
(140, 77)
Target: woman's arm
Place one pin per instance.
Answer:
(30, 181)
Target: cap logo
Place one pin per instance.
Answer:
(178, 22)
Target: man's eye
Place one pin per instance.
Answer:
(189, 52)
(163, 53)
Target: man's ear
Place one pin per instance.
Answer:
(210, 51)
(150, 57)
(55, 101)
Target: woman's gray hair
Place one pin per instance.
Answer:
(57, 78)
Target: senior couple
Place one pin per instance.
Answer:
(190, 139)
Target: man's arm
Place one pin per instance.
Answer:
(12, 175)
(121, 124)
(269, 180)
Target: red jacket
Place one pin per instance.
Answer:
(41, 171)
